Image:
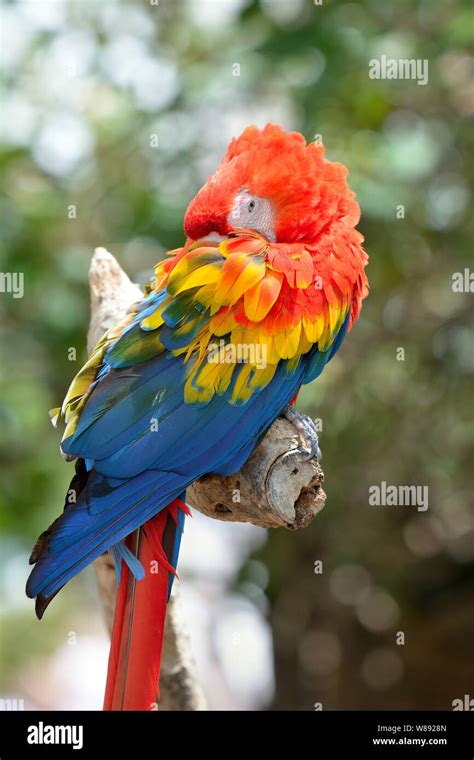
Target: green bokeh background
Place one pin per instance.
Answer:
(84, 91)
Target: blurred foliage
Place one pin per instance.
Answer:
(86, 87)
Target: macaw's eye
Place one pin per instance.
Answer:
(250, 211)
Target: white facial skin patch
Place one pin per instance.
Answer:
(252, 212)
(249, 212)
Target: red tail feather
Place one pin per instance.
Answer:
(137, 636)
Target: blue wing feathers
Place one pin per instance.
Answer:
(82, 536)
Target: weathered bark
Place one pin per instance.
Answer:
(275, 488)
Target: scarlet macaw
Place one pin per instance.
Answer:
(272, 259)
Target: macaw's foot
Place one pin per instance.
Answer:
(307, 430)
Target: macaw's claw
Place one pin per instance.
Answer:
(307, 431)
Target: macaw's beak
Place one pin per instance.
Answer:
(214, 237)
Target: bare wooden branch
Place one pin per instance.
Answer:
(275, 488)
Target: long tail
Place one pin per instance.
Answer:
(137, 636)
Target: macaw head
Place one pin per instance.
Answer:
(272, 182)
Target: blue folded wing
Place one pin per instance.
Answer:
(144, 445)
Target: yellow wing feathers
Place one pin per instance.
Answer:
(256, 319)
